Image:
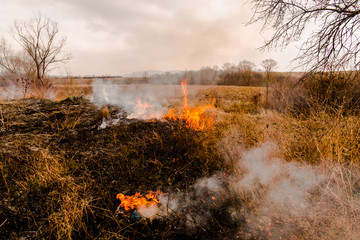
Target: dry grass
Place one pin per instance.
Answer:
(322, 136)
(328, 141)
(68, 202)
(335, 213)
(234, 99)
(70, 216)
(316, 136)
(69, 186)
(60, 89)
(332, 208)
(64, 88)
(54, 153)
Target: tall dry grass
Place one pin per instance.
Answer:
(308, 121)
(65, 202)
(314, 127)
(66, 87)
(321, 136)
(324, 138)
(335, 211)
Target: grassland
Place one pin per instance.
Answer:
(60, 172)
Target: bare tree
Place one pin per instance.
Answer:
(246, 72)
(38, 37)
(246, 65)
(334, 41)
(14, 64)
(268, 65)
(7, 58)
(207, 75)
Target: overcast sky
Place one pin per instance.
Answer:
(123, 36)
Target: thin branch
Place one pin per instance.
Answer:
(333, 43)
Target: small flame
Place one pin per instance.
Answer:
(27, 97)
(137, 200)
(183, 86)
(193, 116)
(142, 110)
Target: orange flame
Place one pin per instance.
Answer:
(137, 200)
(142, 110)
(27, 97)
(183, 86)
(193, 116)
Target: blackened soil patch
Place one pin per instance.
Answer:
(61, 171)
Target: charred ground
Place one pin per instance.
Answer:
(63, 163)
(60, 172)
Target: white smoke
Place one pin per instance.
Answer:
(12, 90)
(292, 196)
(258, 166)
(15, 89)
(107, 122)
(206, 191)
(285, 198)
(139, 101)
(148, 211)
(285, 185)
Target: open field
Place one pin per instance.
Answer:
(254, 173)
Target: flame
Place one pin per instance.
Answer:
(142, 110)
(137, 200)
(193, 116)
(27, 97)
(183, 86)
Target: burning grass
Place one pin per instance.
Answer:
(63, 176)
(136, 201)
(194, 117)
(56, 152)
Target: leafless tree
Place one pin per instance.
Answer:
(207, 75)
(246, 71)
(7, 59)
(268, 65)
(15, 67)
(334, 41)
(14, 64)
(228, 67)
(39, 38)
(246, 65)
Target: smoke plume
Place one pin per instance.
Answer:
(18, 89)
(139, 101)
(280, 199)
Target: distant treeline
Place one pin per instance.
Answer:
(242, 74)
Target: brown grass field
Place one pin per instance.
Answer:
(257, 173)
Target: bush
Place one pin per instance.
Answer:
(334, 90)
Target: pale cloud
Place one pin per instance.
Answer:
(123, 36)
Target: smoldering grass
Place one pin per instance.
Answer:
(298, 200)
(265, 192)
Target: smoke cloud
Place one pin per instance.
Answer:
(139, 101)
(206, 191)
(286, 184)
(16, 89)
(283, 198)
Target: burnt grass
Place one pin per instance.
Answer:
(97, 164)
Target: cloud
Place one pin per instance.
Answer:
(117, 37)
